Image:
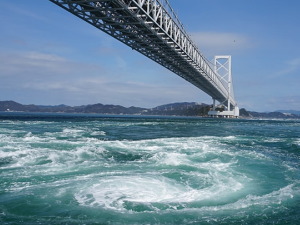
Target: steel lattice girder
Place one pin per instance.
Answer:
(147, 27)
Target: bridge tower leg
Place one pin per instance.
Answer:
(214, 104)
(222, 67)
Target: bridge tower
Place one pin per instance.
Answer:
(227, 108)
(152, 28)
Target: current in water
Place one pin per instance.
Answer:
(83, 169)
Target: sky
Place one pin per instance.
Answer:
(49, 56)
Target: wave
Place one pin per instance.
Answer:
(95, 167)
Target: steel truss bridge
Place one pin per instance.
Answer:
(152, 28)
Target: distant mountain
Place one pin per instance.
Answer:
(173, 109)
(289, 111)
(11, 106)
(96, 108)
(268, 115)
(14, 106)
(180, 109)
(176, 109)
(112, 109)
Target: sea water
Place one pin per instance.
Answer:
(97, 169)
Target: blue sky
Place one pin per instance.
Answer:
(49, 57)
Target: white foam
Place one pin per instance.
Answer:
(273, 140)
(114, 191)
(36, 122)
(172, 158)
(200, 159)
(297, 142)
(273, 198)
(230, 137)
(220, 178)
(71, 132)
(29, 137)
(100, 133)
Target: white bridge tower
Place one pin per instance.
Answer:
(152, 28)
(222, 67)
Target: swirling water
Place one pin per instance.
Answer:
(93, 169)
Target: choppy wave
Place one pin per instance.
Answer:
(115, 171)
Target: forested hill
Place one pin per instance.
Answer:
(177, 109)
(174, 109)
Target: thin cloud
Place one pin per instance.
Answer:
(31, 64)
(21, 11)
(220, 43)
(109, 91)
(278, 103)
(291, 66)
(61, 80)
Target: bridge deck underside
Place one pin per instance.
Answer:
(127, 21)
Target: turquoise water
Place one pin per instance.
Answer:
(83, 169)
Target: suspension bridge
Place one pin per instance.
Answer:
(152, 28)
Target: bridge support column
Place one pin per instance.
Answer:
(214, 104)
